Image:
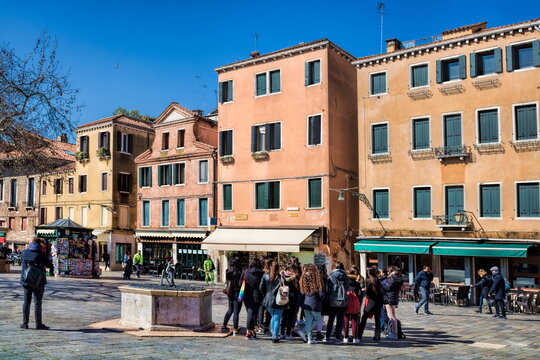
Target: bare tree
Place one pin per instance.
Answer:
(36, 103)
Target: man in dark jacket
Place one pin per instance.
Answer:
(34, 255)
(337, 285)
(498, 290)
(423, 280)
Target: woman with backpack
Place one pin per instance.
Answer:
(336, 287)
(252, 295)
(290, 278)
(233, 276)
(391, 290)
(312, 290)
(352, 311)
(374, 303)
(273, 292)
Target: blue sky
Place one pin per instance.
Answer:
(167, 50)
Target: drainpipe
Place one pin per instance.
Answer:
(214, 184)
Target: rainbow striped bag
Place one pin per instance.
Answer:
(242, 288)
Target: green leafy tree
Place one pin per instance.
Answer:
(134, 113)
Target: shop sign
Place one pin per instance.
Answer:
(241, 217)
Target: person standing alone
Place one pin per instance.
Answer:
(33, 281)
(423, 279)
(138, 262)
(208, 267)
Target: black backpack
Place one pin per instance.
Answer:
(33, 276)
(338, 297)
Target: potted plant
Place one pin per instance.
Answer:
(81, 156)
(225, 159)
(103, 153)
(259, 155)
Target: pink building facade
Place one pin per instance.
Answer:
(175, 188)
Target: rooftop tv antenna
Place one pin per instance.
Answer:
(256, 37)
(380, 10)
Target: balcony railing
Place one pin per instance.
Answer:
(450, 222)
(460, 151)
(423, 41)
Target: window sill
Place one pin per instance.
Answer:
(184, 184)
(377, 95)
(202, 183)
(412, 88)
(124, 192)
(180, 148)
(314, 84)
(483, 76)
(258, 210)
(525, 69)
(124, 152)
(527, 218)
(164, 186)
(448, 82)
(490, 218)
(227, 102)
(314, 145)
(422, 218)
(228, 211)
(381, 219)
(314, 208)
(265, 95)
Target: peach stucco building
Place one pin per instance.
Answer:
(449, 144)
(175, 188)
(287, 136)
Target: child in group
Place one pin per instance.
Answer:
(312, 290)
(352, 311)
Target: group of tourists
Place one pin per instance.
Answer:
(492, 287)
(289, 299)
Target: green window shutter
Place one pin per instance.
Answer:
(381, 204)
(488, 130)
(490, 201)
(175, 174)
(275, 81)
(169, 174)
(261, 84)
(438, 68)
(420, 75)
(306, 73)
(180, 212)
(534, 199)
(498, 60)
(463, 67)
(526, 204)
(141, 177)
(230, 96)
(149, 176)
(509, 58)
(165, 213)
(261, 191)
(146, 213)
(268, 137)
(229, 142)
(220, 92)
(380, 139)
(227, 197)
(421, 134)
(160, 175)
(316, 72)
(526, 127)
(274, 194)
(203, 212)
(276, 136)
(422, 202)
(536, 52)
(221, 139)
(315, 193)
(254, 139)
(452, 131)
(473, 64)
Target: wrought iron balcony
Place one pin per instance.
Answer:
(447, 152)
(458, 221)
(423, 41)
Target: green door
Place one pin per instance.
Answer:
(454, 202)
(452, 134)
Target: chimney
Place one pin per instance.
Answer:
(197, 112)
(392, 45)
(62, 138)
(254, 54)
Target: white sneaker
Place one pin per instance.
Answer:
(312, 342)
(301, 334)
(345, 340)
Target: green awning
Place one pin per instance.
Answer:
(402, 247)
(491, 250)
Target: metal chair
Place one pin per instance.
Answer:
(461, 296)
(523, 302)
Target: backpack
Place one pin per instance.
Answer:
(338, 297)
(507, 285)
(33, 276)
(282, 296)
(353, 303)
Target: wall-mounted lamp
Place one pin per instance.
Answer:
(340, 197)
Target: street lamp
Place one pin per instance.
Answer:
(340, 197)
(459, 217)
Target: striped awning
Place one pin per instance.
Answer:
(401, 247)
(199, 234)
(45, 231)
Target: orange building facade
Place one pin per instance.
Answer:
(448, 142)
(287, 137)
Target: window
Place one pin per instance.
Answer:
(179, 173)
(451, 69)
(71, 213)
(521, 56)
(1, 190)
(268, 83)
(124, 142)
(419, 75)
(103, 140)
(58, 213)
(104, 216)
(13, 193)
(43, 216)
(266, 137)
(225, 91)
(146, 213)
(490, 203)
(528, 200)
(225, 142)
(379, 139)
(124, 182)
(104, 181)
(314, 193)
(44, 188)
(58, 186)
(120, 250)
(421, 138)
(71, 185)
(203, 171)
(454, 202)
(452, 134)
(227, 197)
(24, 223)
(488, 126)
(314, 130)
(30, 193)
(203, 212)
(378, 83)
(267, 195)
(381, 208)
(165, 141)
(526, 122)
(422, 202)
(181, 138)
(84, 215)
(180, 212)
(486, 62)
(165, 213)
(83, 144)
(123, 217)
(145, 176)
(164, 175)
(11, 223)
(313, 72)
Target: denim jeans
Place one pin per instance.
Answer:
(425, 299)
(234, 310)
(481, 302)
(275, 321)
(38, 298)
(312, 317)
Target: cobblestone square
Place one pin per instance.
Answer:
(71, 305)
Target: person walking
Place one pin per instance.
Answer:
(209, 267)
(336, 288)
(311, 300)
(374, 304)
(485, 284)
(233, 277)
(128, 268)
(270, 286)
(498, 291)
(138, 262)
(33, 281)
(423, 280)
(391, 289)
(352, 311)
(290, 277)
(252, 296)
(107, 261)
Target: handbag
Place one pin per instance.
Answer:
(242, 288)
(33, 276)
(282, 296)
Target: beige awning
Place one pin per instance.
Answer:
(271, 240)
(170, 234)
(45, 231)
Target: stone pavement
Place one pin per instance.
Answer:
(70, 305)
